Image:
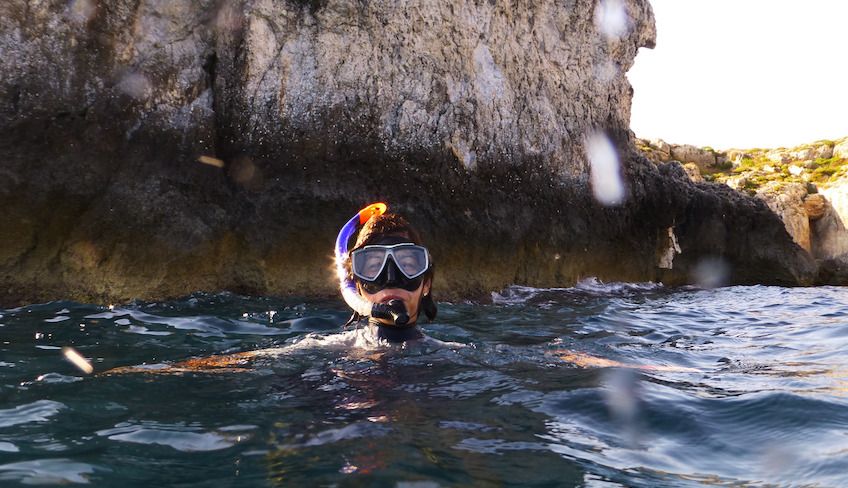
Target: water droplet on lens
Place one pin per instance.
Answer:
(711, 273)
(81, 11)
(621, 394)
(611, 19)
(605, 169)
(136, 85)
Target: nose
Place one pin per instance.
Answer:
(392, 272)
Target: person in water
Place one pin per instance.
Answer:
(386, 278)
(392, 268)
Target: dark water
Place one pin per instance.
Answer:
(763, 403)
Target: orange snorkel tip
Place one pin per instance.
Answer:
(370, 211)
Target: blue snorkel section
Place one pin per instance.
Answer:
(394, 310)
(344, 237)
(347, 287)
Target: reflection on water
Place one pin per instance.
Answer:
(596, 385)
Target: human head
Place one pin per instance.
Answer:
(389, 229)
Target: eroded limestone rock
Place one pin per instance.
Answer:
(469, 117)
(694, 172)
(830, 234)
(787, 201)
(840, 150)
(815, 205)
(690, 154)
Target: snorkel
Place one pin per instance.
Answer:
(394, 310)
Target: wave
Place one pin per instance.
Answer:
(592, 286)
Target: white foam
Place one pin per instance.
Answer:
(597, 286)
(519, 295)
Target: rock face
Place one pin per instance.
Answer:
(830, 228)
(691, 154)
(468, 117)
(787, 201)
(787, 180)
(815, 206)
(840, 150)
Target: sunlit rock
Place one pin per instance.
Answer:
(665, 257)
(779, 156)
(736, 182)
(840, 150)
(803, 153)
(690, 154)
(830, 230)
(656, 149)
(662, 146)
(795, 170)
(815, 205)
(787, 201)
(694, 172)
(823, 151)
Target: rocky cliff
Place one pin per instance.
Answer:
(806, 186)
(156, 147)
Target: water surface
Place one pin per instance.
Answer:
(597, 385)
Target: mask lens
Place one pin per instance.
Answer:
(411, 260)
(368, 262)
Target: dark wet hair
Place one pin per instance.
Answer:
(386, 225)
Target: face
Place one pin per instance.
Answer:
(410, 298)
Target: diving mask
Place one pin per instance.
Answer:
(390, 266)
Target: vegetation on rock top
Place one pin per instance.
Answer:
(816, 164)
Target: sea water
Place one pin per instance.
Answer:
(596, 385)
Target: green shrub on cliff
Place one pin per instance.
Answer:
(758, 170)
(825, 170)
(750, 169)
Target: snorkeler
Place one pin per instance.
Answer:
(387, 277)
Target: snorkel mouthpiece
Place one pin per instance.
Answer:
(394, 310)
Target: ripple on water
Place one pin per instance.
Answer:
(352, 431)
(8, 447)
(47, 472)
(39, 411)
(473, 383)
(180, 437)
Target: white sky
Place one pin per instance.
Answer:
(744, 73)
